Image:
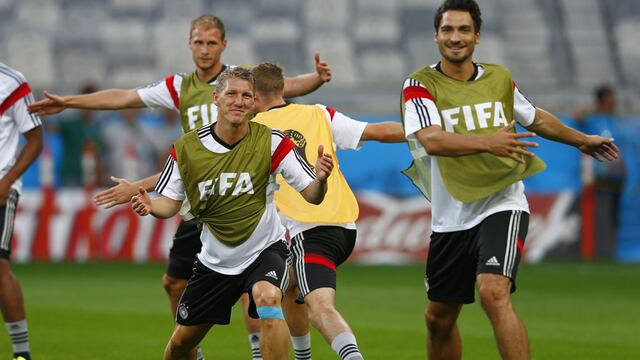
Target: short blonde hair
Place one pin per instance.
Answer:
(208, 21)
(269, 79)
(234, 73)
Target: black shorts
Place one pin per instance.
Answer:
(7, 219)
(185, 246)
(316, 253)
(209, 295)
(456, 258)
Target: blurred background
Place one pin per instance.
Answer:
(579, 59)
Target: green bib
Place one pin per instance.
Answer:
(471, 108)
(196, 103)
(227, 191)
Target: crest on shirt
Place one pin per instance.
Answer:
(301, 144)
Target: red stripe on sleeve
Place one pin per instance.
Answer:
(514, 84)
(22, 91)
(172, 90)
(281, 151)
(331, 112)
(173, 154)
(319, 259)
(412, 92)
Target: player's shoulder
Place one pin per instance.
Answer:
(495, 67)
(11, 75)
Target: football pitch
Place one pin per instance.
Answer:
(120, 311)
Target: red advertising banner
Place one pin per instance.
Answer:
(64, 225)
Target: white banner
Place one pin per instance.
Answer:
(64, 225)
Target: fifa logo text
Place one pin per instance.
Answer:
(240, 183)
(486, 114)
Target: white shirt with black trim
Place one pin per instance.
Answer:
(15, 95)
(234, 260)
(447, 213)
(346, 133)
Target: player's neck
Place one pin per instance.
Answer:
(275, 103)
(206, 75)
(459, 71)
(230, 133)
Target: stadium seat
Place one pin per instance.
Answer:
(336, 51)
(336, 15)
(131, 76)
(385, 67)
(240, 50)
(80, 65)
(33, 54)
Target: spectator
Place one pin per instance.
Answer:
(602, 119)
(79, 133)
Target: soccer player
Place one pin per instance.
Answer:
(227, 172)
(324, 235)
(190, 95)
(15, 94)
(469, 161)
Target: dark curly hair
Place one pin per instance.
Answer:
(469, 6)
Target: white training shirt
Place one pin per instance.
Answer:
(234, 260)
(447, 213)
(346, 136)
(15, 95)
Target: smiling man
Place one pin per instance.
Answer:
(469, 161)
(227, 172)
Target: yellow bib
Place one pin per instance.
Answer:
(308, 127)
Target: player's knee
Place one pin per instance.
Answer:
(494, 297)
(268, 296)
(438, 323)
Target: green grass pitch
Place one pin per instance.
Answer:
(120, 311)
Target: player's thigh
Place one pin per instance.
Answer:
(501, 242)
(268, 275)
(451, 267)
(316, 254)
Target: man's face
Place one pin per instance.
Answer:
(456, 36)
(235, 102)
(206, 46)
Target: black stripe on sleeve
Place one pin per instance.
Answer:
(165, 175)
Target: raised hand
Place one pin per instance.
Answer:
(508, 144)
(116, 195)
(141, 203)
(322, 68)
(324, 164)
(600, 148)
(53, 104)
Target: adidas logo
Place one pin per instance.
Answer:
(492, 262)
(272, 274)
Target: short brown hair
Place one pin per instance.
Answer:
(208, 21)
(269, 78)
(234, 73)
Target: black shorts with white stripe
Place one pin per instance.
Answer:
(455, 258)
(7, 218)
(316, 253)
(209, 295)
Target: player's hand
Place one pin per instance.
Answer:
(324, 165)
(600, 148)
(322, 68)
(53, 104)
(509, 144)
(141, 203)
(116, 195)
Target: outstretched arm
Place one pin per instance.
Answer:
(315, 191)
(124, 191)
(111, 99)
(550, 127)
(504, 143)
(161, 207)
(306, 83)
(387, 131)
